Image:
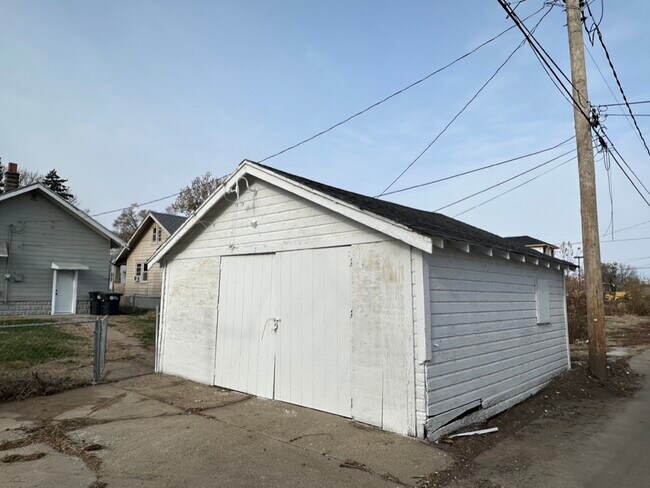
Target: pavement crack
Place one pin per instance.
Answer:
(310, 435)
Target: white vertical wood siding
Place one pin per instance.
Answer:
(486, 345)
(190, 318)
(382, 359)
(45, 233)
(283, 328)
(312, 301)
(245, 339)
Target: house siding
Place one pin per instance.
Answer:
(487, 348)
(140, 253)
(45, 233)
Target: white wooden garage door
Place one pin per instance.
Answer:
(283, 327)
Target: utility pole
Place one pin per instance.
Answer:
(588, 206)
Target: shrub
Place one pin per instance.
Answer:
(576, 305)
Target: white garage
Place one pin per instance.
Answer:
(288, 289)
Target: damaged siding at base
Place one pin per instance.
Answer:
(488, 350)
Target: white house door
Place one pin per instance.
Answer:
(283, 327)
(64, 292)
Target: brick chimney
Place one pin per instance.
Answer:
(11, 177)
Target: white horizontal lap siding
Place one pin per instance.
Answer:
(190, 319)
(486, 344)
(268, 219)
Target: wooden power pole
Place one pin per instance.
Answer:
(588, 206)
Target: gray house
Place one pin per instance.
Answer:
(51, 254)
(404, 319)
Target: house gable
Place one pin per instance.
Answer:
(45, 233)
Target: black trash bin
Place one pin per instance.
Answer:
(110, 303)
(95, 302)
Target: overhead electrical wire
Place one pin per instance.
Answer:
(394, 94)
(641, 102)
(503, 182)
(549, 66)
(516, 187)
(596, 27)
(481, 168)
(458, 114)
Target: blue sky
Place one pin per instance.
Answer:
(130, 100)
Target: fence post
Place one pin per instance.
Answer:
(99, 352)
(156, 365)
(96, 349)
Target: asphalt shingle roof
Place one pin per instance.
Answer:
(528, 241)
(421, 221)
(170, 222)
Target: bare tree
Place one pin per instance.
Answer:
(192, 196)
(28, 177)
(128, 221)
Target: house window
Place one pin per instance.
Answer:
(542, 302)
(141, 272)
(156, 234)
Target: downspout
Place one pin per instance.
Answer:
(6, 277)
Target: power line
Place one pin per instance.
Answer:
(627, 115)
(549, 68)
(493, 165)
(458, 114)
(618, 81)
(136, 205)
(516, 187)
(504, 181)
(622, 104)
(548, 63)
(394, 94)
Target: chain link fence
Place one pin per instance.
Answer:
(44, 356)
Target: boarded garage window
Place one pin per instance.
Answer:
(542, 302)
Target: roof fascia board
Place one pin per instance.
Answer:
(368, 219)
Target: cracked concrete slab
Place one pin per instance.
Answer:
(167, 432)
(183, 394)
(54, 469)
(191, 450)
(338, 437)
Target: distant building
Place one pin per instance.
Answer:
(51, 253)
(141, 285)
(536, 244)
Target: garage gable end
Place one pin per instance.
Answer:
(263, 218)
(237, 209)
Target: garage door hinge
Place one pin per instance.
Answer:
(351, 402)
(350, 313)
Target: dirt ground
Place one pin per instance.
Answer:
(571, 401)
(130, 351)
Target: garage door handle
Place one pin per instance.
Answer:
(274, 326)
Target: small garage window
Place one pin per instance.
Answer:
(542, 302)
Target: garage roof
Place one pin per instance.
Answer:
(435, 226)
